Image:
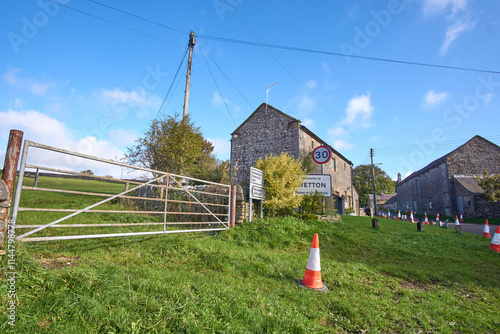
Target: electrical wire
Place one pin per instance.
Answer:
(230, 81)
(114, 23)
(288, 69)
(337, 54)
(447, 145)
(172, 84)
(217, 85)
(137, 16)
(275, 46)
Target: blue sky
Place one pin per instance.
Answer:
(71, 80)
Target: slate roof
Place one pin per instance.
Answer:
(470, 184)
(441, 160)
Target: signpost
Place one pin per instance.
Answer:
(256, 190)
(321, 183)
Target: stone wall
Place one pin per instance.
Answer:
(263, 133)
(434, 188)
(270, 132)
(428, 191)
(473, 158)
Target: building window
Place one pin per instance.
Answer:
(312, 143)
(430, 204)
(345, 166)
(334, 167)
(418, 188)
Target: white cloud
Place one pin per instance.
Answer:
(308, 123)
(14, 78)
(222, 147)
(218, 101)
(439, 7)
(326, 68)
(359, 111)
(455, 15)
(342, 145)
(120, 103)
(433, 98)
(43, 129)
(453, 31)
(336, 131)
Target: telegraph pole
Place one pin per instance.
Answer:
(188, 76)
(373, 183)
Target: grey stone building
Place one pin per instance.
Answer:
(446, 185)
(269, 131)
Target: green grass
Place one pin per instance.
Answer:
(391, 280)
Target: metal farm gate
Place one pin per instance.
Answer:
(160, 204)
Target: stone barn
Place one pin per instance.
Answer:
(269, 131)
(447, 185)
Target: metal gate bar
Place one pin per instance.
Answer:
(160, 176)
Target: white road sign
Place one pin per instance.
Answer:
(257, 190)
(322, 183)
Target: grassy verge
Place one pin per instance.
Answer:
(392, 280)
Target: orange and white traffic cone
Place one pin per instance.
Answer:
(457, 223)
(426, 221)
(486, 230)
(312, 277)
(399, 215)
(495, 242)
(461, 218)
(411, 216)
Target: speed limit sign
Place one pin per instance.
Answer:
(321, 154)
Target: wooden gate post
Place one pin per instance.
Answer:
(9, 177)
(232, 208)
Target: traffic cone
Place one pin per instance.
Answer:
(388, 214)
(495, 242)
(426, 221)
(461, 218)
(312, 277)
(457, 223)
(411, 216)
(399, 215)
(486, 231)
(437, 216)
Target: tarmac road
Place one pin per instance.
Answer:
(474, 228)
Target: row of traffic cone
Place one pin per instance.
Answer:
(312, 277)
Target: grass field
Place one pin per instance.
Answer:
(391, 280)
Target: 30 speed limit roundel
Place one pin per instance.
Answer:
(321, 154)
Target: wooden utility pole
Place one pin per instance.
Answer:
(373, 182)
(188, 76)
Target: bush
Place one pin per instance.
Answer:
(312, 204)
(283, 174)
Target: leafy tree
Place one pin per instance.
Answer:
(362, 179)
(87, 172)
(283, 174)
(491, 186)
(174, 146)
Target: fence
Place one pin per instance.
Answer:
(164, 203)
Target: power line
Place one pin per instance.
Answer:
(288, 69)
(114, 23)
(284, 47)
(136, 16)
(337, 54)
(447, 145)
(217, 85)
(172, 84)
